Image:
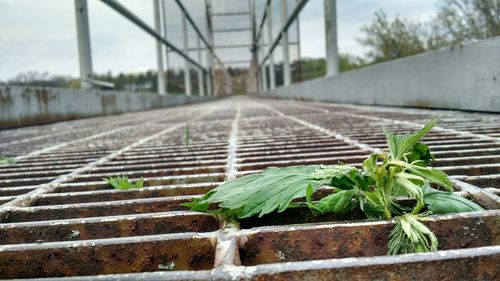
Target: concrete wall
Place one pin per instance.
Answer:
(21, 106)
(466, 78)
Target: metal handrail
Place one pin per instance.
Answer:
(136, 20)
(198, 32)
(261, 25)
(298, 8)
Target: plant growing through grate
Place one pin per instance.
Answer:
(6, 160)
(186, 136)
(373, 189)
(124, 183)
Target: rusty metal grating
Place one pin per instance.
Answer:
(59, 218)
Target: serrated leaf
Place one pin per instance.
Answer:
(124, 183)
(373, 205)
(439, 202)
(420, 155)
(411, 184)
(400, 145)
(196, 205)
(6, 160)
(345, 177)
(262, 193)
(309, 193)
(409, 235)
(370, 164)
(432, 175)
(338, 202)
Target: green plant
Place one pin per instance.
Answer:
(6, 160)
(186, 136)
(374, 189)
(124, 183)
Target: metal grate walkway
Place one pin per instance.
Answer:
(59, 218)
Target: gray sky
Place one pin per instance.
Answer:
(41, 35)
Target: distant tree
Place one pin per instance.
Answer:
(44, 79)
(348, 62)
(457, 22)
(388, 40)
(462, 21)
(312, 68)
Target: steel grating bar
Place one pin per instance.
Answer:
(81, 228)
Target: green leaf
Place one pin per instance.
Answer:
(6, 160)
(345, 177)
(339, 202)
(196, 205)
(432, 175)
(373, 204)
(400, 145)
(309, 193)
(411, 184)
(421, 155)
(409, 235)
(124, 183)
(309, 202)
(370, 164)
(186, 136)
(439, 202)
(262, 193)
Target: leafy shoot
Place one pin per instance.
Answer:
(6, 160)
(409, 235)
(124, 183)
(373, 189)
(186, 136)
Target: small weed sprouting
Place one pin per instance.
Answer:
(124, 183)
(6, 160)
(167, 267)
(402, 171)
(186, 136)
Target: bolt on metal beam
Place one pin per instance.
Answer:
(159, 49)
(84, 48)
(332, 59)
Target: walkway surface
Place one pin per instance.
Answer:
(59, 218)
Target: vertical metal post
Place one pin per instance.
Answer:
(287, 79)
(332, 60)
(201, 83)
(210, 59)
(299, 56)
(167, 62)
(263, 67)
(187, 73)
(159, 49)
(272, 79)
(254, 73)
(84, 49)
